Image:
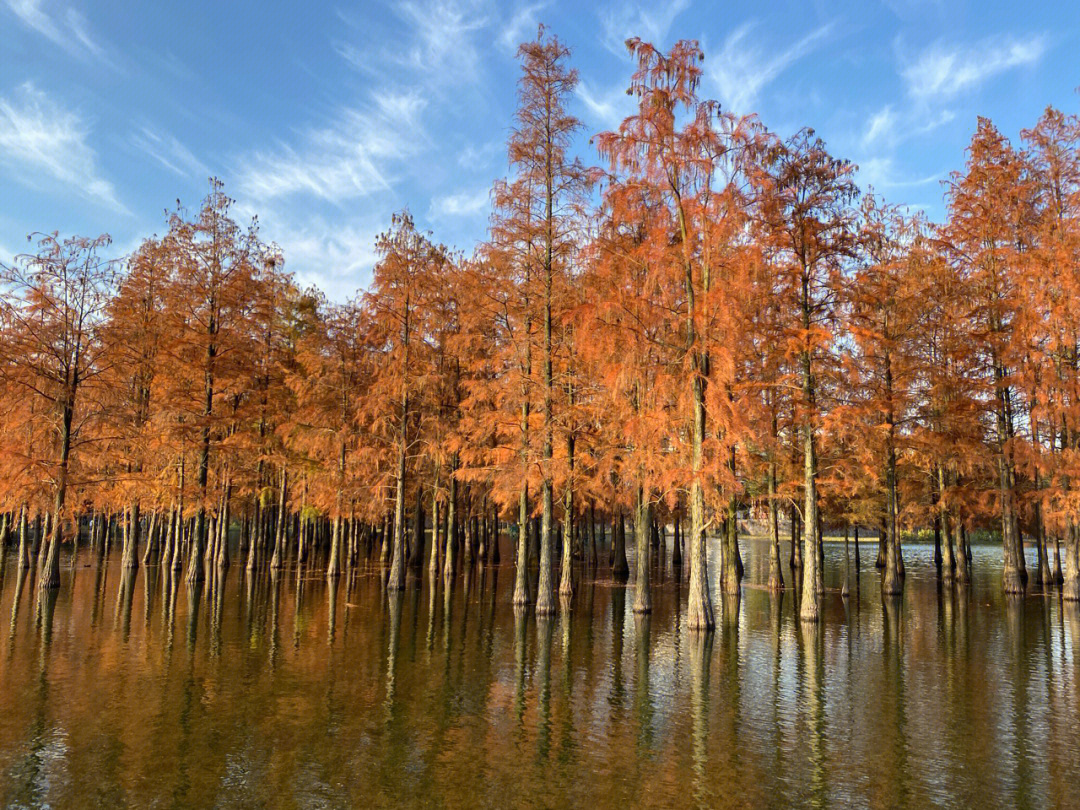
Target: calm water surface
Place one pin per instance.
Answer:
(289, 692)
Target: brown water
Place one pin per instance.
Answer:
(287, 692)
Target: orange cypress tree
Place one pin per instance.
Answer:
(678, 165)
(804, 199)
(53, 351)
(535, 228)
(987, 235)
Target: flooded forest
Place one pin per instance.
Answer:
(708, 478)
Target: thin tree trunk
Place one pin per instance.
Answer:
(776, 574)
(642, 523)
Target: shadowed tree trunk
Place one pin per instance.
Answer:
(620, 571)
(642, 524)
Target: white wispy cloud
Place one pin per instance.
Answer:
(41, 141)
(941, 72)
(461, 204)
(352, 157)
(64, 27)
(444, 35)
(649, 20)
(882, 173)
(170, 153)
(335, 256)
(742, 69)
(477, 157)
(605, 108)
(521, 26)
(890, 126)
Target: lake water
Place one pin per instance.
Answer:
(289, 692)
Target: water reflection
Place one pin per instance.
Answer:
(138, 688)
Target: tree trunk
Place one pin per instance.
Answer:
(948, 564)
(545, 588)
(50, 576)
(24, 548)
(566, 581)
(396, 581)
(699, 612)
(416, 557)
(776, 574)
(620, 570)
(810, 598)
(891, 583)
(642, 522)
(451, 532)
(1014, 576)
(277, 559)
(1070, 587)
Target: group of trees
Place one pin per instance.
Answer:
(714, 321)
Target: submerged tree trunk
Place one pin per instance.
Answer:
(50, 575)
(642, 524)
(396, 580)
(24, 548)
(545, 588)
(810, 598)
(948, 563)
(776, 574)
(566, 581)
(1014, 576)
(699, 611)
(277, 559)
(620, 570)
(451, 532)
(1070, 587)
(416, 556)
(891, 583)
(731, 562)
(132, 525)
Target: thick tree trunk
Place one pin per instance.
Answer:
(810, 598)
(1014, 575)
(130, 557)
(545, 588)
(333, 565)
(566, 581)
(699, 611)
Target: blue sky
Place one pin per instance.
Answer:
(326, 118)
